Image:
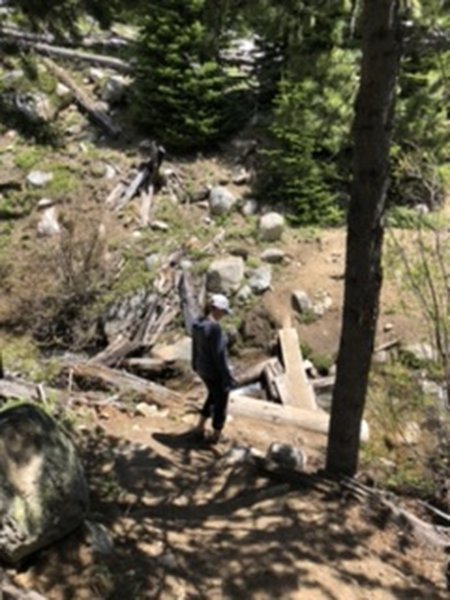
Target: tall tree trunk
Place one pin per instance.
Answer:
(363, 277)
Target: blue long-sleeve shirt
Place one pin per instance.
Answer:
(209, 352)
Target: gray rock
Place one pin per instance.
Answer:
(422, 351)
(43, 490)
(244, 294)
(159, 226)
(48, 225)
(12, 77)
(99, 538)
(242, 177)
(271, 227)
(273, 255)
(250, 207)
(97, 75)
(221, 200)
(39, 178)
(260, 279)
(225, 275)
(301, 301)
(152, 261)
(63, 92)
(45, 203)
(114, 89)
(34, 107)
(286, 456)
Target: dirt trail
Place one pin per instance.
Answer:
(188, 524)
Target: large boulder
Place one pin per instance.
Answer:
(43, 490)
(225, 275)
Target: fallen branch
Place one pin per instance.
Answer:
(82, 98)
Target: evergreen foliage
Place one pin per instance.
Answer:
(307, 167)
(180, 86)
(422, 140)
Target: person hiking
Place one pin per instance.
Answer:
(210, 362)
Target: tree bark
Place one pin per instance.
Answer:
(363, 276)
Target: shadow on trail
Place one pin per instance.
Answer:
(187, 524)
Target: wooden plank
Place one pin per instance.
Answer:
(295, 389)
(311, 420)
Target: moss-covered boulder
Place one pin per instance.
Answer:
(43, 490)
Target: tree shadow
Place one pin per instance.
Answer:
(187, 523)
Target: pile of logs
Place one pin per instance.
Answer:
(291, 395)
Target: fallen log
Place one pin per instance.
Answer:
(83, 100)
(313, 420)
(95, 374)
(109, 62)
(48, 38)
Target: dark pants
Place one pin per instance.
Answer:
(216, 404)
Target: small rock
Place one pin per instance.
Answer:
(244, 294)
(146, 410)
(168, 560)
(64, 94)
(260, 279)
(271, 227)
(250, 207)
(221, 200)
(45, 203)
(301, 301)
(99, 538)
(39, 178)
(273, 256)
(388, 327)
(286, 456)
(159, 225)
(48, 225)
(97, 169)
(97, 75)
(110, 172)
(152, 261)
(422, 351)
(238, 455)
(242, 177)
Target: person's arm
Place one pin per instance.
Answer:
(219, 355)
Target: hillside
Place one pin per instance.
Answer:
(171, 519)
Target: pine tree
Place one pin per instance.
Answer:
(180, 87)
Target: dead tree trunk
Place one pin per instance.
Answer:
(363, 276)
(85, 102)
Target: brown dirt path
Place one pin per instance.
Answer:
(188, 524)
